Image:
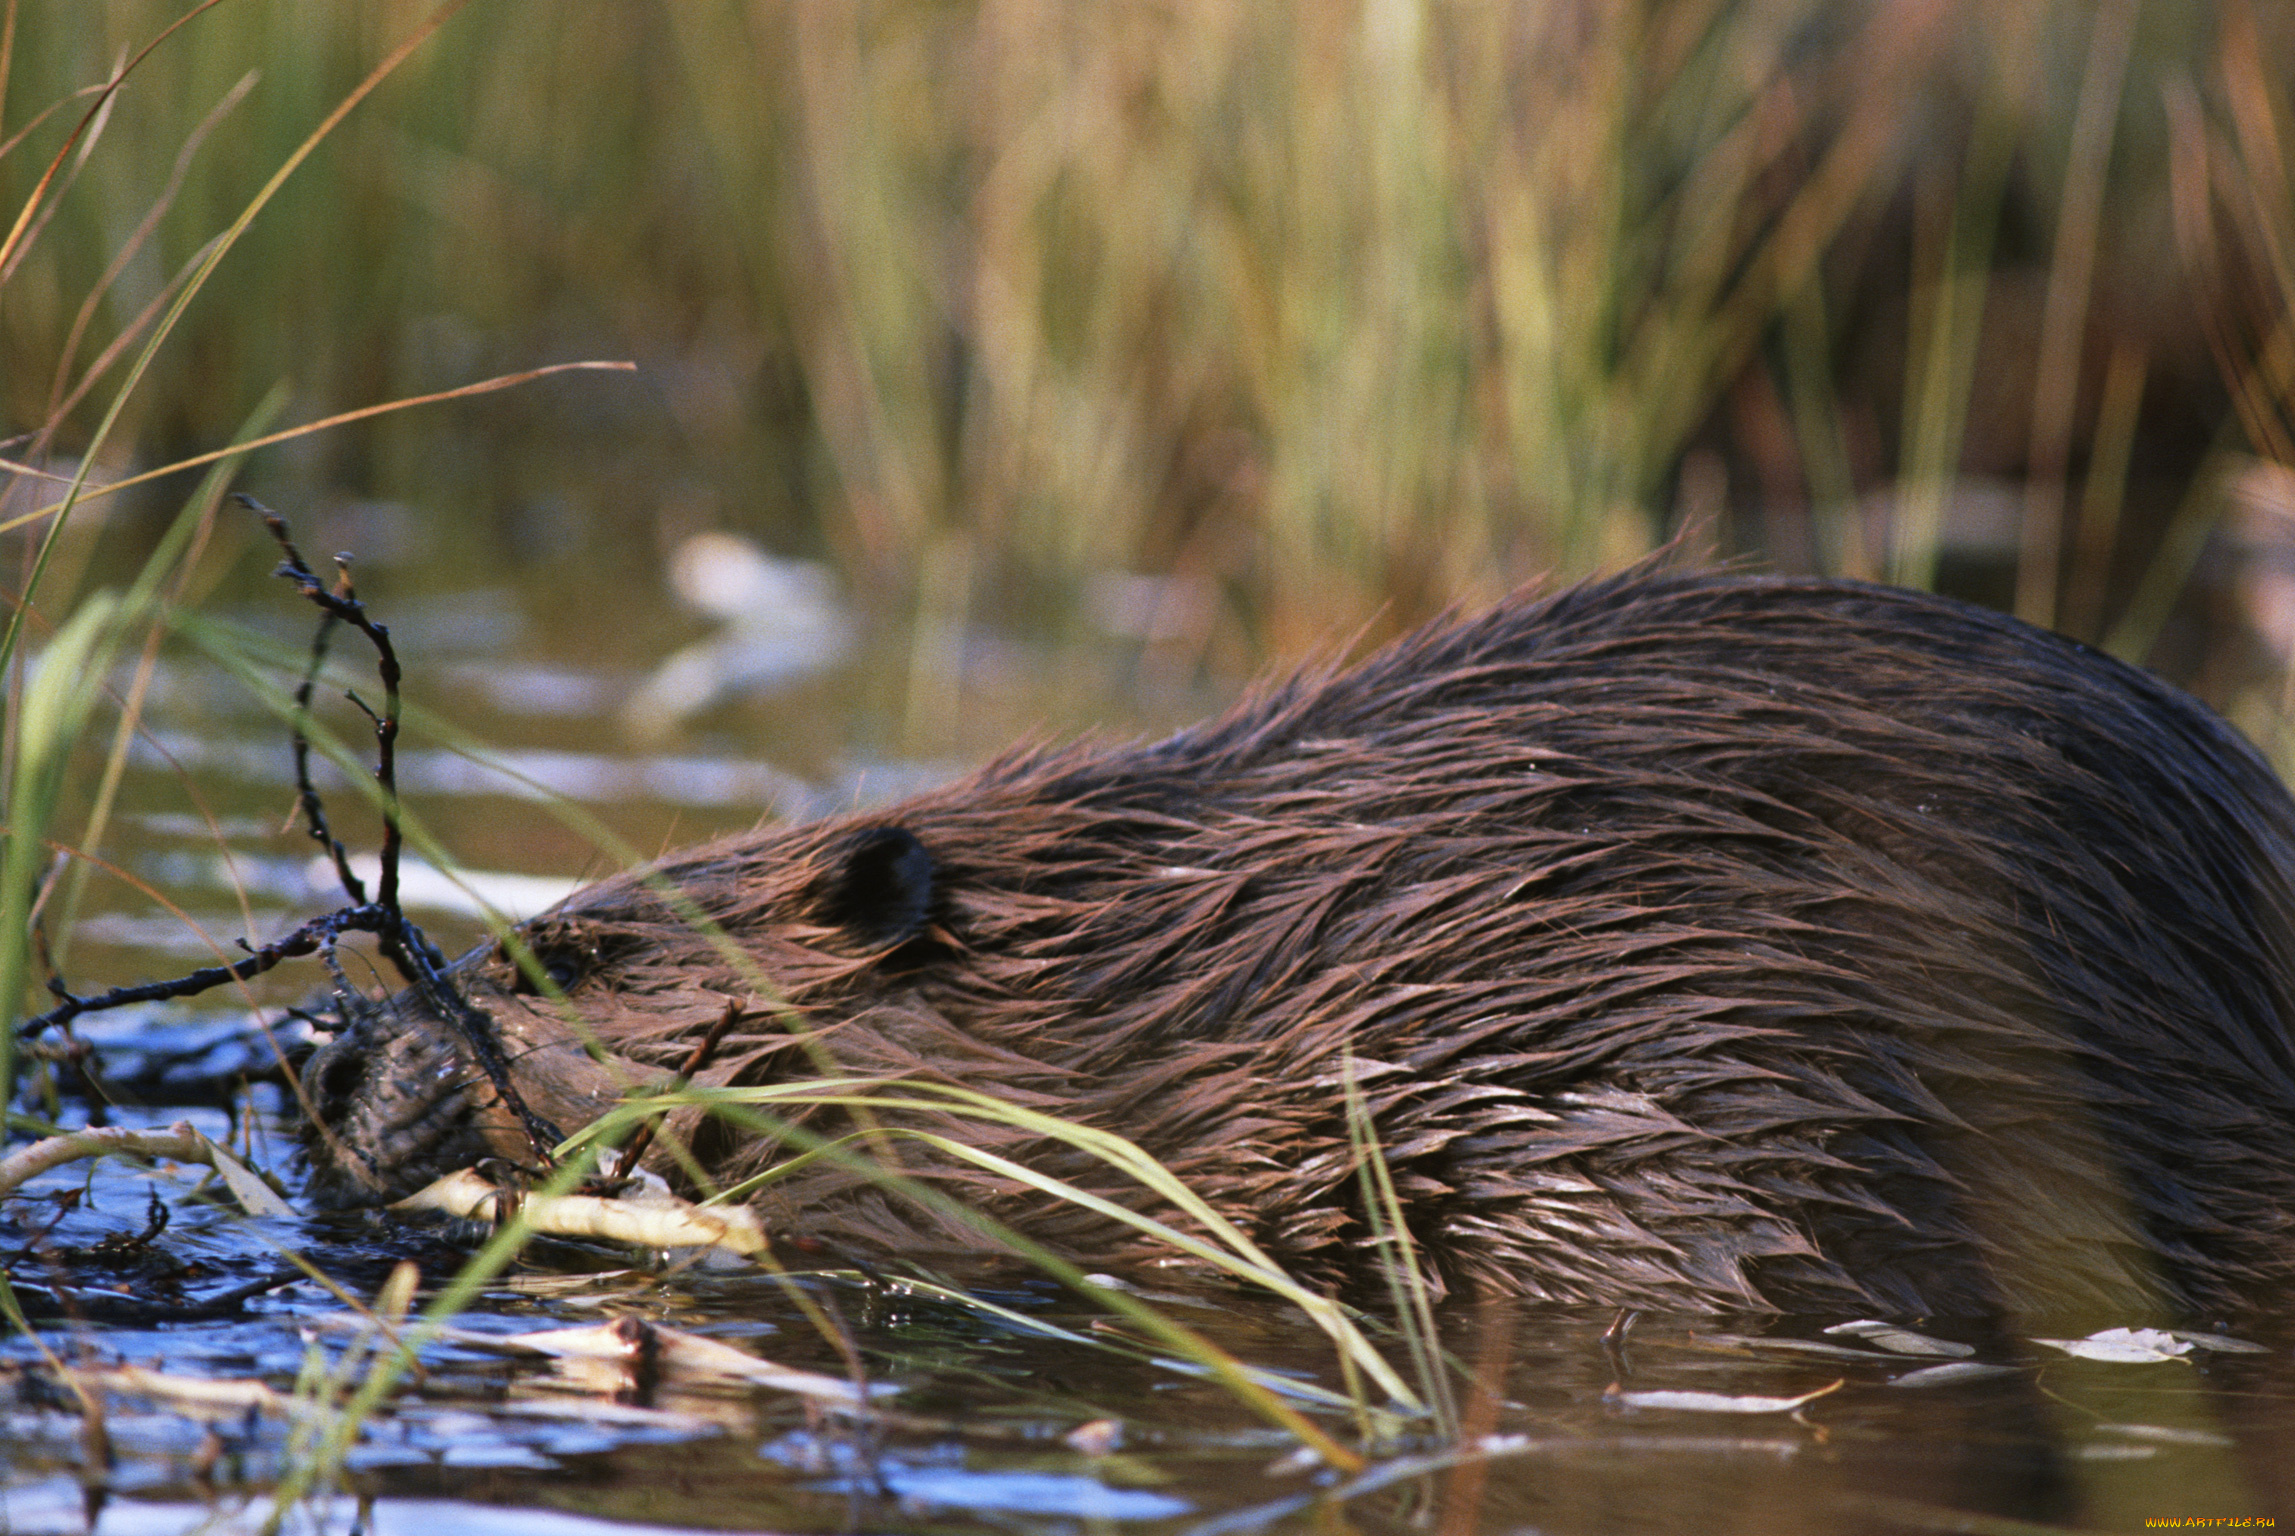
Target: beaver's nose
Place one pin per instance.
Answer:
(336, 1075)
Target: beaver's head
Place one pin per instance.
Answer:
(609, 992)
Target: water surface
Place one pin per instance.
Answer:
(1022, 1409)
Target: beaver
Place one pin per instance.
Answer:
(1697, 941)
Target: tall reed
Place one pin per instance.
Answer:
(1321, 309)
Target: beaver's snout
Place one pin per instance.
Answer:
(335, 1079)
(397, 1101)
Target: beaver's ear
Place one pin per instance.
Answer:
(880, 886)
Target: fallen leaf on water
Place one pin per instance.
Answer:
(2124, 1346)
(1902, 1341)
(2222, 1343)
(1950, 1372)
(1716, 1402)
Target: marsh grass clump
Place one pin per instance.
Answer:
(1299, 310)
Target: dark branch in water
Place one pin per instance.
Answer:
(318, 933)
(307, 795)
(341, 605)
(402, 943)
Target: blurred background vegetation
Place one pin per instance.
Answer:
(1215, 332)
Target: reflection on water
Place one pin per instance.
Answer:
(1571, 1430)
(779, 622)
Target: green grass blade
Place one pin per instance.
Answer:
(57, 698)
(1229, 1250)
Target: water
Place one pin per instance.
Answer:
(1041, 1415)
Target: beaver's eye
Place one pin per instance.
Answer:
(564, 967)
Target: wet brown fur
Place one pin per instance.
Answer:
(1701, 940)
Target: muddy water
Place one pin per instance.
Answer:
(1000, 1403)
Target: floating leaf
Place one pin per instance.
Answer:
(255, 1197)
(1716, 1402)
(1950, 1373)
(1902, 1341)
(2219, 1342)
(2124, 1346)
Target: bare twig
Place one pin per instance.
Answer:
(318, 933)
(341, 605)
(466, 1193)
(424, 968)
(178, 1142)
(416, 959)
(306, 794)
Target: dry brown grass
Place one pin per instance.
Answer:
(1320, 308)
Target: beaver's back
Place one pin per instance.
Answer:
(1694, 939)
